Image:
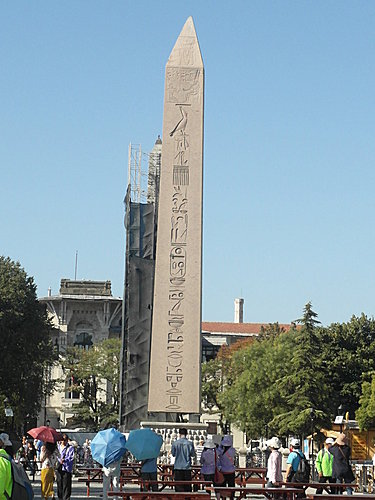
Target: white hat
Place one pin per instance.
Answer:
(295, 443)
(274, 442)
(209, 444)
(330, 441)
(5, 439)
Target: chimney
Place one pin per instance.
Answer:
(49, 292)
(238, 310)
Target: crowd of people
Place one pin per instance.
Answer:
(332, 463)
(54, 461)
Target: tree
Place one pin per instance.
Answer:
(216, 375)
(349, 353)
(366, 411)
(25, 334)
(94, 375)
(251, 400)
(304, 388)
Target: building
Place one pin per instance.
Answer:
(83, 313)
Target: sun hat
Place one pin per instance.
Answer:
(341, 439)
(330, 441)
(209, 444)
(295, 443)
(5, 439)
(227, 440)
(274, 442)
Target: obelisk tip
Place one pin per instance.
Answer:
(186, 51)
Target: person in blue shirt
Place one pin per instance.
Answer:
(149, 472)
(183, 451)
(293, 460)
(64, 472)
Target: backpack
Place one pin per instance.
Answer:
(22, 489)
(302, 474)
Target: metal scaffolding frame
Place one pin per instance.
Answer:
(137, 173)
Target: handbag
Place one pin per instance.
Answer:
(219, 476)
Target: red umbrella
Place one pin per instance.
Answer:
(46, 434)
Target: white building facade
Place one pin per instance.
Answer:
(84, 313)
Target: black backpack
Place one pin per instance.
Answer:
(302, 474)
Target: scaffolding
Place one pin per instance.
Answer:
(137, 173)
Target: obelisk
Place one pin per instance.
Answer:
(174, 384)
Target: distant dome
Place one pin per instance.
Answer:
(158, 140)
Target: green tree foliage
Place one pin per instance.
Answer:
(304, 388)
(216, 375)
(366, 411)
(27, 349)
(252, 400)
(94, 375)
(276, 381)
(349, 352)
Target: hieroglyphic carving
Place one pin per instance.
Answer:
(182, 149)
(181, 175)
(185, 53)
(178, 259)
(182, 85)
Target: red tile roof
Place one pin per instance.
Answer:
(250, 328)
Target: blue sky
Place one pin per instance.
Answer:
(289, 144)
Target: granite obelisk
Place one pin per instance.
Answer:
(174, 384)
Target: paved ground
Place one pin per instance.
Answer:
(78, 490)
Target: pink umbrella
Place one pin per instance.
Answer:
(46, 434)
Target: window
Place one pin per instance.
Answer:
(69, 394)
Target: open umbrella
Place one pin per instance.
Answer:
(46, 434)
(108, 446)
(144, 443)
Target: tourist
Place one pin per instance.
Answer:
(293, 460)
(49, 460)
(274, 463)
(111, 475)
(323, 464)
(87, 458)
(149, 472)
(38, 448)
(209, 460)
(227, 455)
(183, 451)
(31, 457)
(64, 469)
(341, 469)
(198, 451)
(6, 483)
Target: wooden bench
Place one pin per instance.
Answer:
(241, 492)
(327, 487)
(161, 485)
(167, 495)
(362, 496)
(128, 473)
(94, 475)
(250, 475)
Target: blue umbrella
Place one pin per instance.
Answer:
(144, 443)
(108, 446)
